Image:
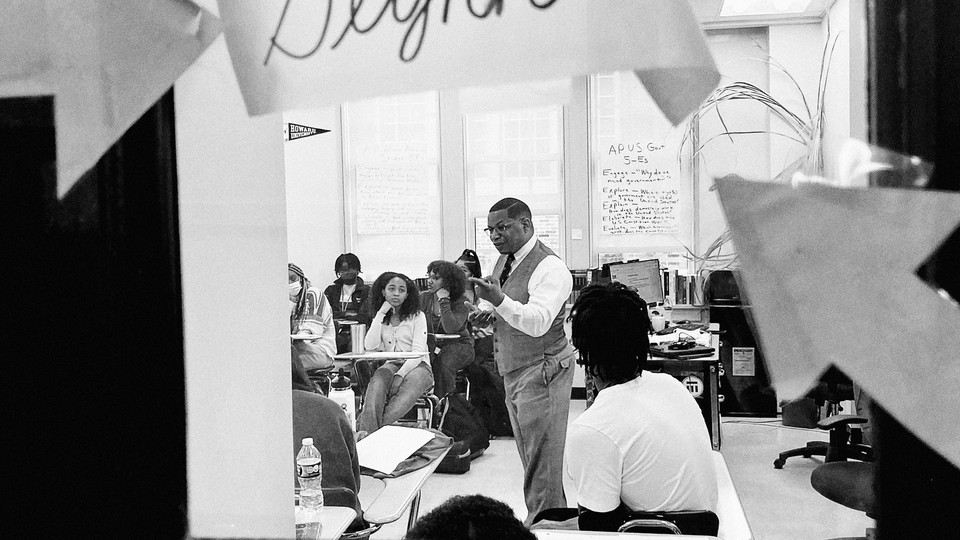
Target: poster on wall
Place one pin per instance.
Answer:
(392, 199)
(640, 189)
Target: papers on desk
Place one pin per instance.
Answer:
(386, 447)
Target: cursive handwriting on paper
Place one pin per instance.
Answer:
(364, 17)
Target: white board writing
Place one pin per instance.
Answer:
(640, 191)
(392, 199)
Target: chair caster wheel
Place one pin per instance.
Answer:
(779, 463)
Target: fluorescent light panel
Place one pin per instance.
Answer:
(746, 8)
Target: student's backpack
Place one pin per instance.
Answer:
(461, 421)
(487, 395)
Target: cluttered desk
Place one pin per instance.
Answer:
(689, 352)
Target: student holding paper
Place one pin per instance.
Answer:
(400, 326)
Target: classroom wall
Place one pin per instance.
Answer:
(797, 47)
(233, 238)
(846, 89)
(315, 214)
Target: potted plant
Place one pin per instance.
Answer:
(804, 127)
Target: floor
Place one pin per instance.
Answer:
(780, 504)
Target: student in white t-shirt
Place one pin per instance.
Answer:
(643, 445)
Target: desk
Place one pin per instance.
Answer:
(347, 360)
(701, 377)
(733, 520)
(385, 499)
(547, 534)
(333, 521)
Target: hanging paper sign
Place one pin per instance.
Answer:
(831, 274)
(104, 62)
(290, 54)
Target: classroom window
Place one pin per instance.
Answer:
(515, 153)
(641, 187)
(391, 157)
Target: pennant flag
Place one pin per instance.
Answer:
(297, 131)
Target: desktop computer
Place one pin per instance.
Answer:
(744, 381)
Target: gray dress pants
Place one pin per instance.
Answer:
(538, 402)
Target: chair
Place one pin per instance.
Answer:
(687, 522)
(692, 522)
(424, 411)
(846, 436)
(462, 381)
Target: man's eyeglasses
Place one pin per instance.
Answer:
(500, 228)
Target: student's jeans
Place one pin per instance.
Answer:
(384, 405)
(538, 401)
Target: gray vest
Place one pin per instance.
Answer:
(512, 348)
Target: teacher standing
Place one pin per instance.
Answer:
(525, 300)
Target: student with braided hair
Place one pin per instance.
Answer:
(643, 445)
(310, 313)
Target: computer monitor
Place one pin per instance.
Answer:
(644, 276)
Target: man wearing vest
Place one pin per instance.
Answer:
(525, 299)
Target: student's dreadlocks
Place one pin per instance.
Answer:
(609, 329)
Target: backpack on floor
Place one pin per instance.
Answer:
(457, 460)
(461, 421)
(487, 395)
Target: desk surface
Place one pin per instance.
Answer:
(379, 355)
(384, 500)
(547, 534)
(333, 520)
(733, 521)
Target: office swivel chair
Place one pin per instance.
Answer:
(846, 435)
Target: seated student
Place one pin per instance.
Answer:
(470, 517)
(469, 264)
(446, 313)
(310, 313)
(348, 295)
(643, 445)
(398, 325)
(320, 418)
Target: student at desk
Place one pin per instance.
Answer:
(322, 419)
(399, 325)
(443, 305)
(643, 445)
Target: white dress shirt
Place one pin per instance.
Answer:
(549, 287)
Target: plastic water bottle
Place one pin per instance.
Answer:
(309, 475)
(341, 392)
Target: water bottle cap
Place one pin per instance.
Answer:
(340, 382)
(307, 441)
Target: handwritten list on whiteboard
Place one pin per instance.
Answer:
(392, 199)
(640, 191)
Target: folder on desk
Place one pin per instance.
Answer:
(693, 352)
(386, 447)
